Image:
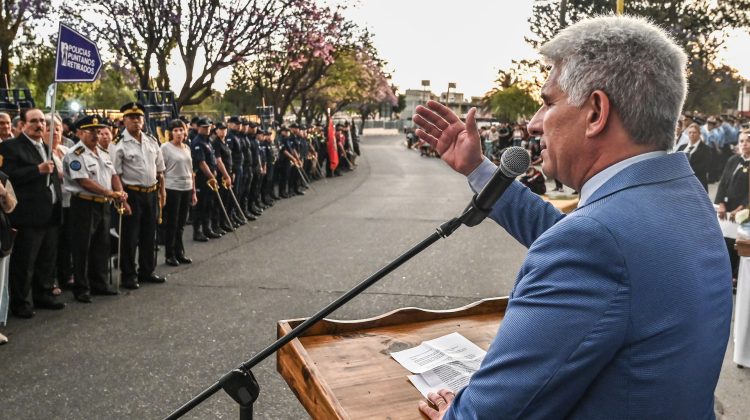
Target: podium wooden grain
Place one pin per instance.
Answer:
(343, 369)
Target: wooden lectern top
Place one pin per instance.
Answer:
(343, 369)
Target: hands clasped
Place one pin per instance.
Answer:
(457, 143)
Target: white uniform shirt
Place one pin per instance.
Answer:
(81, 163)
(137, 163)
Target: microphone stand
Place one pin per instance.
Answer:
(240, 383)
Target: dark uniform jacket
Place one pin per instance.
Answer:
(700, 161)
(20, 160)
(733, 186)
(234, 141)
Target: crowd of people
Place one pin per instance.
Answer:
(86, 203)
(718, 150)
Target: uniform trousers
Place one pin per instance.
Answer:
(206, 198)
(255, 186)
(247, 185)
(89, 223)
(175, 216)
(139, 231)
(268, 181)
(32, 265)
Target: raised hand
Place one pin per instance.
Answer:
(457, 143)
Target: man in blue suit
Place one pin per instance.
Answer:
(622, 308)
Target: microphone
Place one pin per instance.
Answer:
(514, 161)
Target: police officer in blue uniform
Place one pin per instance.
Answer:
(235, 142)
(204, 166)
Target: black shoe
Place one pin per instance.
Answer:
(283, 195)
(299, 192)
(24, 312)
(172, 261)
(48, 303)
(226, 228)
(104, 292)
(84, 298)
(212, 235)
(130, 284)
(153, 278)
(256, 208)
(268, 203)
(200, 237)
(275, 197)
(184, 260)
(249, 216)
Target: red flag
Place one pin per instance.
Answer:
(333, 150)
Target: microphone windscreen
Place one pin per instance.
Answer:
(514, 161)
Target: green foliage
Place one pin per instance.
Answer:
(511, 103)
(36, 72)
(699, 26)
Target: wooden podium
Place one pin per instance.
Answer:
(343, 369)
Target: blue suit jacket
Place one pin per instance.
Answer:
(621, 309)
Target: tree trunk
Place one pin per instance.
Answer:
(5, 66)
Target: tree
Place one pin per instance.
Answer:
(297, 57)
(208, 35)
(699, 26)
(140, 32)
(14, 15)
(35, 71)
(511, 103)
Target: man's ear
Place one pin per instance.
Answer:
(598, 113)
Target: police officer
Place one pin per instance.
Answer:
(249, 174)
(224, 168)
(139, 163)
(89, 175)
(266, 157)
(253, 203)
(235, 142)
(204, 166)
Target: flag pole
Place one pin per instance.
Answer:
(52, 113)
(620, 7)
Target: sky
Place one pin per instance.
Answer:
(465, 42)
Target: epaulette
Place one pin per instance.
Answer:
(102, 149)
(79, 150)
(117, 139)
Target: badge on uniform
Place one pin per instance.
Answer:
(75, 165)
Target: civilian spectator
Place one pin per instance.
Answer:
(181, 193)
(732, 193)
(7, 204)
(16, 126)
(64, 272)
(699, 154)
(5, 123)
(28, 162)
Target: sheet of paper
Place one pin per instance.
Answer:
(728, 229)
(441, 351)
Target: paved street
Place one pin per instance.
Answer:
(143, 353)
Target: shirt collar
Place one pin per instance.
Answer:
(596, 181)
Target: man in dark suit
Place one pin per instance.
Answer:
(28, 162)
(699, 154)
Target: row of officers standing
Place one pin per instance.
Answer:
(227, 174)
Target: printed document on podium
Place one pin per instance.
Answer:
(445, 362)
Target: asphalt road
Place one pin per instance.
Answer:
(143, 353)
